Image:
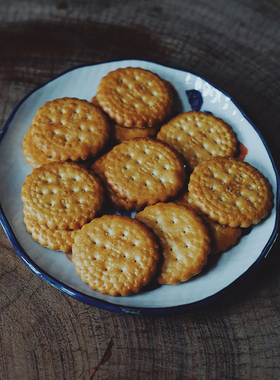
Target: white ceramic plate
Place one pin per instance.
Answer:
(54, 267)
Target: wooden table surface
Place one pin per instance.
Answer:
(45, 334)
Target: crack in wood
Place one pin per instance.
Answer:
(107, 355)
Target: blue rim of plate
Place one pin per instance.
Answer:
(111, 306)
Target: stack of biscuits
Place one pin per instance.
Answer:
(181, 175)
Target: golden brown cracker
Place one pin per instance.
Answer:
(199, 136)
(98, 168)
(95, 101)
(144, 171)
(222, 237)
(70, 129)
(183, 237)
(57, 240)
(134, 97)
(230, 191)
(115, 255)
(62, 195)
(120, 133)
(34, 156)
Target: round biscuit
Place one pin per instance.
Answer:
(183, 237)
(144, 171)
(222, 237)
(70, 129)
(34, 156)
(121, 133)
(62, 195)
(57, 240)
(199, 136)
(230, 191)
(134, 97)
(115, 255)
(98, 167)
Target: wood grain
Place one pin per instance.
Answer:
(45, 334)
